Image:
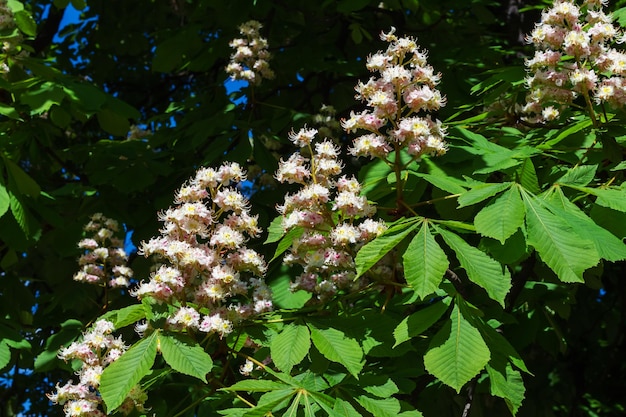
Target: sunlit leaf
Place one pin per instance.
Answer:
(481, 192)
(122, 375)
(561, 247)
(420, 321)
(481, 269)
(608, 246)
(185, 356)
(380, 407)
(337, 347)
(507, 384)
(425, 262)
(290, 346)
(501, 218)
(457, 353)
(374, 251)
(579, 175)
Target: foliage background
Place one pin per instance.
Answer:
(160, 65)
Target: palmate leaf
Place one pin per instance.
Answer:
(257, 385)
(122, 375)
(528, 176)
(481, 192)
(269, 401)
(420, 321)
(373, 251)
(126, 316)
(290, 346)
(609, 246)
(503, 217)
(507, 384)
(578, 175)
(380, 407)
(614, 198)
(343, 408)
(481, 269)
(457, 353)
(337, 347)
(425, 262)
(287, 240)
(185, 356)
(564, 250)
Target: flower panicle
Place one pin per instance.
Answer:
(250, 61)
(335, 217)
(104, 261)
(205, 264)
(574, 57)
(399, 99)
(97, 349)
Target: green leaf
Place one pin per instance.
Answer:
(79, 4)
(5, 200)
(578, 175)
(185, 356)
(282, 295)
(269, 401)
(5, 354)
(129, 315)
(290, 346)
(9, 111)
(343, 408)
(380, 386)
(60, 116)
(425, 262)
(619, 167)
(502, 217)
(562, 248)
(20, 214)
(609, 246)
(566, 132)
(47, 360)
(499, 346)
(24, 183)
(125, 316)
(386, 407)
(287, 240)
(373, 251)
(337, 347)
(25, 23)
(445, 183)
(113, 122)
(481, 192)
(457, 353)
(122, 375)
(420, 321)
(614, 198)
(481, 269)
(275, 230)
(528, 176)
(257, 385)
(507, 384)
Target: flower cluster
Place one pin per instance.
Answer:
(399, 98)
(332, 213)
(104, 258)
(209, 274)
(250, 62)
(574, 58)
(96, 351)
